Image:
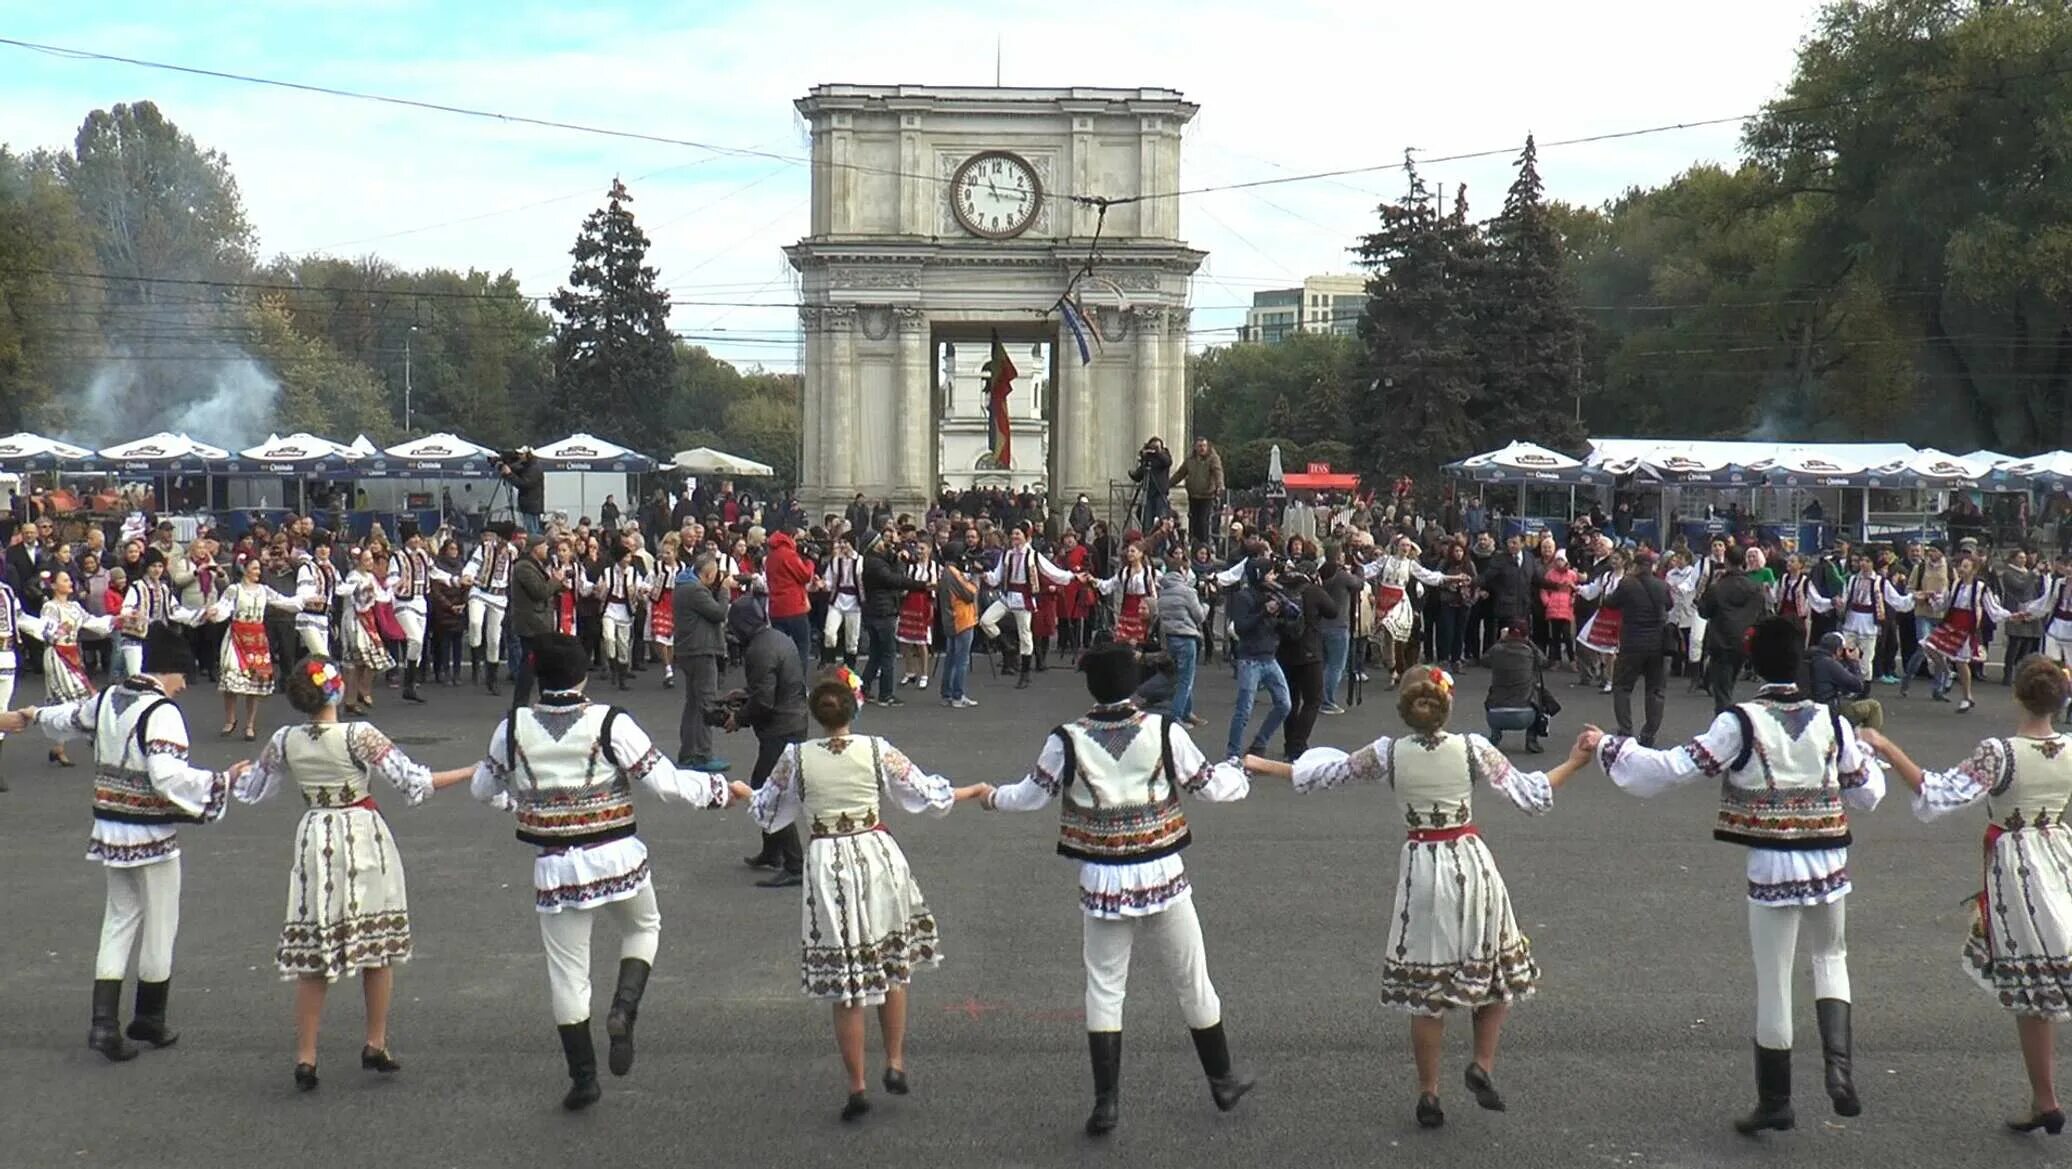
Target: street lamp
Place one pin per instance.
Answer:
(406, 379)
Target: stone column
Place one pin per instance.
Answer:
(1176, 422)
(813, 471)
(916, 411)
(1068, 422)
(838, 375)
(1147, 330)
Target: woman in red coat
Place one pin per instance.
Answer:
(1075, 600)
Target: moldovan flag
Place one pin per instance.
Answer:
(1000, 374)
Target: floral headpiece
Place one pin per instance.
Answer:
(327, 678)
(850, 678)
(1443, 680)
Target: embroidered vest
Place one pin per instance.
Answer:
(2035, 784)
(1433, 780)
(846, 582)
(1018, 572)
(1867, 595)
(123, 791)
(569, 792)
(9, 606)
(1121, 804)
(1791, 596)
(414, 576)
(2061, 607)
(320, 758)
(839, 790)
(1785, 791)
(487, 558)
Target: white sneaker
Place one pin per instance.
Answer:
(967, 703)
(922, 681)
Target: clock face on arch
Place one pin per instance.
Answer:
(995, 194)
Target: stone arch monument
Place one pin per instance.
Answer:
(940, 215)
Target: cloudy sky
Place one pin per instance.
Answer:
(1285, 88)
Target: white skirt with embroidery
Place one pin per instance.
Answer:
(2020, 948)
(347, 908)
(1454, 942)
(864, 928)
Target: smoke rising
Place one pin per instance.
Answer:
(225, 400)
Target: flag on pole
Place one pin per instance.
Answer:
(1077, 321)
(1000, 374)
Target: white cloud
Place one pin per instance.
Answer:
(1299, 85)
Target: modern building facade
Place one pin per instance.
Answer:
(1324, 304)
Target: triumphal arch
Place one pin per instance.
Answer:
(942, 216)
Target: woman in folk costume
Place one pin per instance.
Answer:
(366, 654)
(1682, 579)
(348, 914)
(2020, 945)
(1396, 617)
(1954, 644)
(59, 626)
(245, 665)
(1455, 943)
(1599, 636)
(661, 629)
(1789, 771)
(1075, 600)
(1138, 585)
(917, 617)
(864, 928)
(1795, 598)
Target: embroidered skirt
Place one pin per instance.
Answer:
(346, 905)
(363, 644)
(1454, 942)
(1956, 637)
(864, 927)
(64, 674)
(245, 663)
(916, 618)
(2020, 948)
(1131, 623)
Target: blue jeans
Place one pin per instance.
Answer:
(800, 630)
(956, 665)
(1338, 645)
(1250, 673)
(1510, 718)
(1185, 651)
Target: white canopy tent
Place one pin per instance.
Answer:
(706, 461)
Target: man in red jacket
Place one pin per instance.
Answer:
(788, 576)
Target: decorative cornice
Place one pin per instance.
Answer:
(910, 318)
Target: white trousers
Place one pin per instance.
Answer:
(412, 622)
(6, 694)
(618, 641)
(567, 936)
(141, 899)
(2057, 651)
(486, 628)
(1773, 935)
(130, 656)
(849, 624)
(1176, 933)
(1864, 646)
(990, 622)
(315, 639)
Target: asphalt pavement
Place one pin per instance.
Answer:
(1635, 1052)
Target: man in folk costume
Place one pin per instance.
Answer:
(842, 579)
(1391, 575)
(566, 767)
(411, 574)
(147, 602)
(2054, 608)
(1789, 769)
(11, 618)
(619, 588)
(1867, 600)
(316, 586)
(488, 572)
(144, 788)
(1014, 581)
(1118, 773)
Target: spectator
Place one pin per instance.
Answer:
(1837, 681)
(701, 644)
(1181, 618)
(1512, 703)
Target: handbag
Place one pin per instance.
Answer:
(385, 621)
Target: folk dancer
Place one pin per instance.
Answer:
(1455, 943)
(148, 601)
(316, 586)
(1789, 769)
(489, 574)
(1955, 639)
(144, 789)
(1397, 616)
(348, 912)
(1139, 588)
(1869, 597)
(1118, 773)
(410, 575)
(2055, 608)
(567, 767)
(1795, 598)
(245, 668)
(1599, 636)
(59, 625)
(366, 653)
(917, 616)
(12, 622)
(620, 588)
(842, 580)
(2021, 926)
(864, 926)
(1013, 580)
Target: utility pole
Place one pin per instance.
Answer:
(406, 379)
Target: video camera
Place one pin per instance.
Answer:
(727, 706)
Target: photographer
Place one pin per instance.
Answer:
(885, 587)
(774, 707)
(956, 603)
(1301, 657)
(1258, 611)
(522, 472)
(533, 590)
(1838, 682)
(1154, 470)
(701, 643)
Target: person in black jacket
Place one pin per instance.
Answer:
(1154, 470)
(1731, 606)
(1643, 602)
(701, 644)
(531, 615)
(775, 708)
(885, 586)
(1258, 610)
(528, 480)
(1302, 661)
(1509, 579)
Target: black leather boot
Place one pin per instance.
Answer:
(106, 1033)
(1026, 660)
(410, 673)
(1834, 1048)
(633, 976)
(3, 775)
(582, 1066)
(149, 1025)
(1105, 1048)
(474, 666)
(489, 673)
(1772, 1093)
(1226, 1086)
(1042, 654)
